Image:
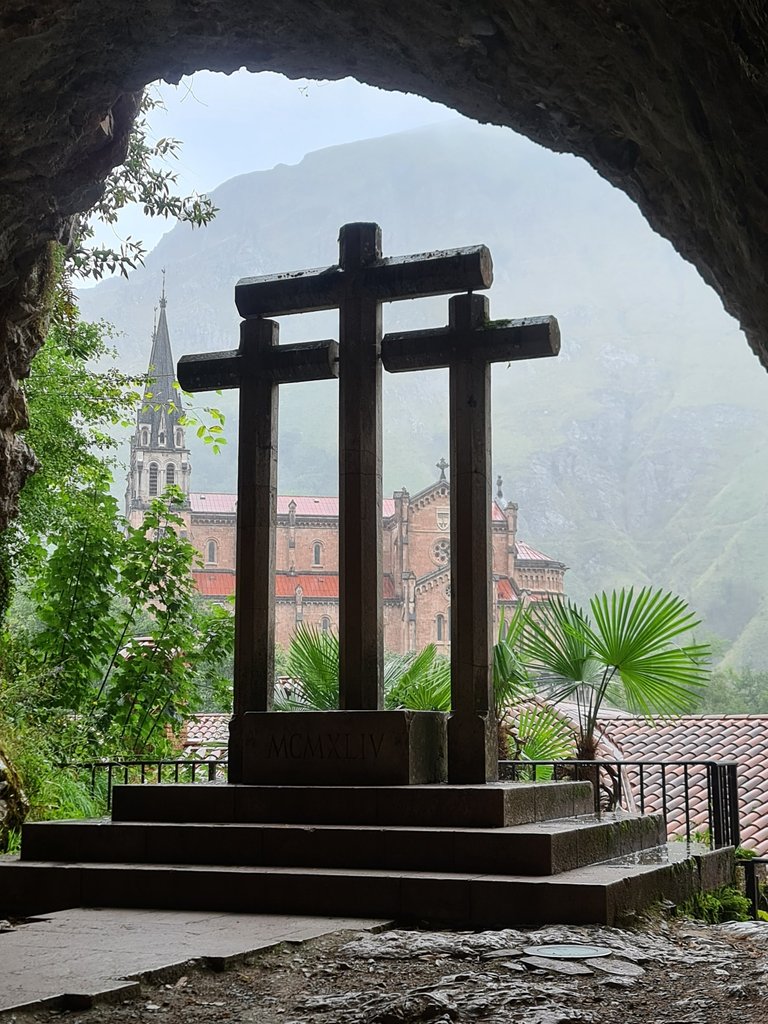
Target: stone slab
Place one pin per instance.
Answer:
(353, 748)
(599, 893)
(538, 848)
(491, 806)
(74, 958)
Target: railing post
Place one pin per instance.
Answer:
(732, 774)
(716, 817)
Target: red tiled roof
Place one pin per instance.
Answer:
(306, 505)
(312, 585)
(216, 503)
(209, 728)
(739, 738)
(525, 553)
(504, 589)
(215, 584)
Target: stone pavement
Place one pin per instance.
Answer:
(75, 957)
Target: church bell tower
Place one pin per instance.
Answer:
(159, 455)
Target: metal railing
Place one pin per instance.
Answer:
(698, 799)
(103, 775)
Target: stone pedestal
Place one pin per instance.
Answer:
(350, 748)
(473, 748)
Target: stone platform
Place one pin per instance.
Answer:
(466, 856)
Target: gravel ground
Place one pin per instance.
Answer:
(670, 972)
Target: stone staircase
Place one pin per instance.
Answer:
(465, 856)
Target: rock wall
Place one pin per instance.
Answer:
(665, 98)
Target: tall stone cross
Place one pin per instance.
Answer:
(257, 367)
(357, 286)
(468, 346)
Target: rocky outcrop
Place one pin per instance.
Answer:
(13, 803)
(666, 100)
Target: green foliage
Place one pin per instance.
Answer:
(313, 666)
(144, 179)
(540, 734)
(626, 653)
(85, 678)
(726, 904)
(511, 678)
(420, 681)
(736, 692)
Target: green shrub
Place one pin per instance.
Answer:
(726, 904)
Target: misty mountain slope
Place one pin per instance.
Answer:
(640, 455)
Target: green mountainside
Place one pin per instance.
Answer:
(640, 455)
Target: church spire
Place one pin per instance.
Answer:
(159, 456)
(162, 401)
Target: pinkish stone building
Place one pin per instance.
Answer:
(416, 536)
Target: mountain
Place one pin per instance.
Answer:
(639, 456)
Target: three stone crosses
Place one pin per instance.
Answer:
(361, 743)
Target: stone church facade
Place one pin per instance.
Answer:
(416, 535)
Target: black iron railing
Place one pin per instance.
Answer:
(698, 799)
(103, 775)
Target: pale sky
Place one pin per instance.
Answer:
(233, 124)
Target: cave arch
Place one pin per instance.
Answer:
(666, 100)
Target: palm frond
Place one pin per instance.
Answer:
(313, 664)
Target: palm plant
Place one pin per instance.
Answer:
(628, 649)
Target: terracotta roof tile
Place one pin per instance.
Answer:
(739, 738)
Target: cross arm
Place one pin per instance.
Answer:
(387, 279)
(529, 338)
(284, 364)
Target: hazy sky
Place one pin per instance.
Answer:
(233, 124)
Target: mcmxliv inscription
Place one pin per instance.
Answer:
(261, 746)
(329, 746)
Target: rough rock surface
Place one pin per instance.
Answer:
(13, 802)
(682, 973)
(666, 99)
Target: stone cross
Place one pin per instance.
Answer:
(257, 367)
(357, 286)
(467, 346)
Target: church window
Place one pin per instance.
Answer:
(145, 438)
(441, 551)
(212, 552)
(325, 625)
(440, 626)
(170, 475)
(161, 438)
(179, 439)
(153, 479)
(317, 553)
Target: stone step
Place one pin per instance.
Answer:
(488, 806)
(539, 848)
(597, 894)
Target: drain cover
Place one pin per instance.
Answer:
(573, 951)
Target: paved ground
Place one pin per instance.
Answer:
(75, 957)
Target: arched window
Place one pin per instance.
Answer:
(179, 439)
(145, 438)
(212, 552)
(153, 479)
(170, 475)
(161, 438)
(440, 625)
(325, 624)
(317, 553)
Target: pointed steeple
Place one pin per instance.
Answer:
(162, 406)
(159, 455)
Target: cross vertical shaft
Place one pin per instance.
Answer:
(360, 486)
(254, 669)
(472, 741)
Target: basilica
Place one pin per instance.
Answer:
(416, 534)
